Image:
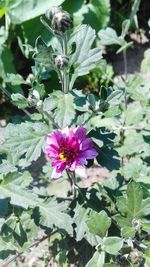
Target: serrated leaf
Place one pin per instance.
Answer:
(98, 223)
(134, 169)
(80, 218)
(19, 100)
(7, 167)
(133, 114)
(132, 208)
(6, 248)
(63, 106)
(51, 212)
(54, 213)
(14, 79)
(23, 140)
(43, 55)
(84, 58)
(18, 196)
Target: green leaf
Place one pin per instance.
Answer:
(147, 256)
(108, 37)
(6, 167)
(54, 213)
(30, 9)
(6, 248)
(51, 212)
(97, 260)
(7, 66)
(132, 205)
(19, 100)
(14, 79)
(98, 13)
(112, 245)
(132, 208)
(133, 114)
(125, 27)
(84, 58)
(43, 55)
(134, 169)
(98, 223)
(80, 217)
(24, 141)
(63, 106)
(145, 65)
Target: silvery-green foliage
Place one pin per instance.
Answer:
(110, 216)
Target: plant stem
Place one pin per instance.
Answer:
(51, 119)
(72, 180)
(65, 75)
(126, 76)
(122, 134)
(5, 264)
(9, 96)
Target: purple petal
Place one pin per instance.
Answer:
(80, 133)
(86, 144)
(89, 154)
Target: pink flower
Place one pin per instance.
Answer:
(70, 149)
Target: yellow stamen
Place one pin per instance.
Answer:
(62, 157)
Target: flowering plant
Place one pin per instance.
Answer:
(71, 125)
(70, 150)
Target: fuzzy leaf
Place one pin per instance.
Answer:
(30, 9)
(112, 245)
(84, 58)
(14, 79)
(97, 260)
(108, 37)
(132, 208)
(98, 223)
(19, 100)
(51, 212)
(54, 213)
(63, 106)
(23, 141)
(80, 218)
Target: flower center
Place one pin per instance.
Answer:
(62, 157)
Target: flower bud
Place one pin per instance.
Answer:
(52, 11)
(33, 98)
(61, 61)
(61, 22)
(136, 257)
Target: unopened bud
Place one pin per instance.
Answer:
(61, 22)
(61, 61)
(52, 11)
(33, 98)
(136, 257)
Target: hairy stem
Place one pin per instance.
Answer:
(50, 118)
(9, 96)
(126, 76)
(122, 133)
(72, 180)
(65, 71)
